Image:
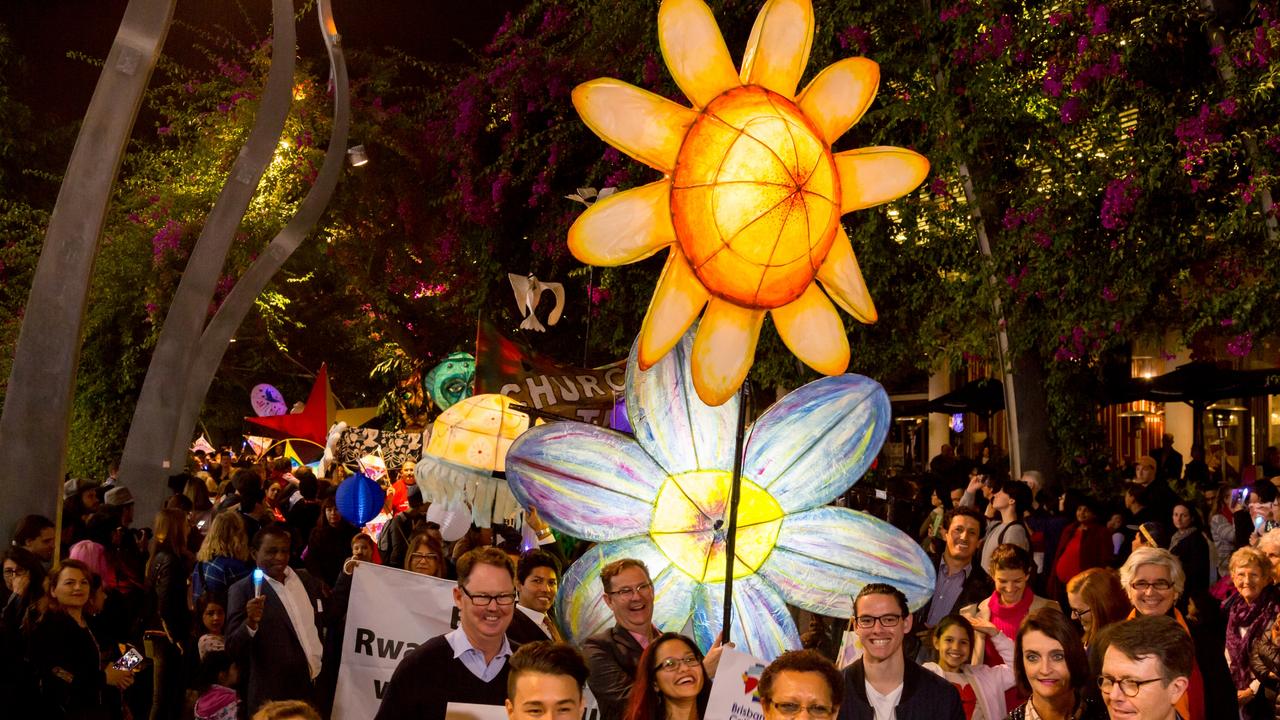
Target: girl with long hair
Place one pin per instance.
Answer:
(223, 557)
(169, 619)
(330, 543)
(671, 683)
(982, 687)
(1097, 599)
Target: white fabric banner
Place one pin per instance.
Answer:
(391, 612)
(735, 693)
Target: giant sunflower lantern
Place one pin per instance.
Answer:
(752, 196)
(662, 497)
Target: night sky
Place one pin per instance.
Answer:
(58, 87)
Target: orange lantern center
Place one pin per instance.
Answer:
(755, 198)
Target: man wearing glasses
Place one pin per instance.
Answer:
(801, 681)
(883, 684)
(468, 664)
(1146, 666)
(614, 654)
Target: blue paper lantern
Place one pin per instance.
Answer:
(359, 499)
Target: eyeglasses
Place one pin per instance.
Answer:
(627, 593)
(15, 572)
(484, 600)
(672, 663)
(790, 709)
(1077, 614)
(1158, 585)
(866, 622)
(420, 557)
(1128, 686)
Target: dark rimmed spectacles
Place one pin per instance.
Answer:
(484, 600)
(1077, 614)
(790, 709)
(867, 622)
(1128, 686)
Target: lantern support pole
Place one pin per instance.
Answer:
(732, 533)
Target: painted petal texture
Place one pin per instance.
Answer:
(625, 227)
(724, 349)
(674, 306)
(694, 50)
(874, 175)
(825, 555)
(645, 126)
(592, 483)
(816, 442)
(842, 278)
(580, 602)
(669, 419)
(778, 49)
(841, 93)
(812, 329)
(761, 624)
(673, 598)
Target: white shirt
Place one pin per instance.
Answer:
(883, 705)
(540, 618)
(297, 603)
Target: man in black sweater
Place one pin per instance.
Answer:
(883, 684)
(469, 664)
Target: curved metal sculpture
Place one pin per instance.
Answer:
(214, 341)
(37, 409)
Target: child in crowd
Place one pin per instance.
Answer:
(981, 687)
(213, 616)
(218, 699)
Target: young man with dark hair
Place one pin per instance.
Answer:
(801, 680)
(35, 534)
(1146, 667)
(960, 581)
(545, 681)
(1011, 499)
(274, 625)
(884, 684)
(537, 577)
(469, 664)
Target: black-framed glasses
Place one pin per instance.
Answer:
(672, 663)
(866, 622)
(1077, 614)
(1128, 686)
(626, 593)
(419, 557)
(484, 599)
(15, 572)
(790, 709)
(1158, 585)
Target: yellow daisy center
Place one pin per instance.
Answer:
(755, 198)
(691, 518)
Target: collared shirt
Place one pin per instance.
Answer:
(539, 618)
(884, 706)
(473, 660)
(297, 603)
(947, 591)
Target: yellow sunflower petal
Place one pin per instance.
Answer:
(874, 175)
(676, 302)
(842, 278)
(724, 349)
(778, 49)
(841, 93)
(811, 327)
(624, 228)
(695, 51)
(645, 126)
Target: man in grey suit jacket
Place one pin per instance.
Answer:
(273, 626)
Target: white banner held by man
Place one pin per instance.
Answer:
(391, 612)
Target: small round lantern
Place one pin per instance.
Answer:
(359, 499)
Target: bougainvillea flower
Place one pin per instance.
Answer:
(662, 497)
(752, 196)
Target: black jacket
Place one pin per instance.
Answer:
(612, 658)
(1264, 661)
(272, 663)
(925, 696)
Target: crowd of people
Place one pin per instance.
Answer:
(1158, 603)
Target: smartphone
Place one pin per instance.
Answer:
(1240, 496)
(129, 661)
